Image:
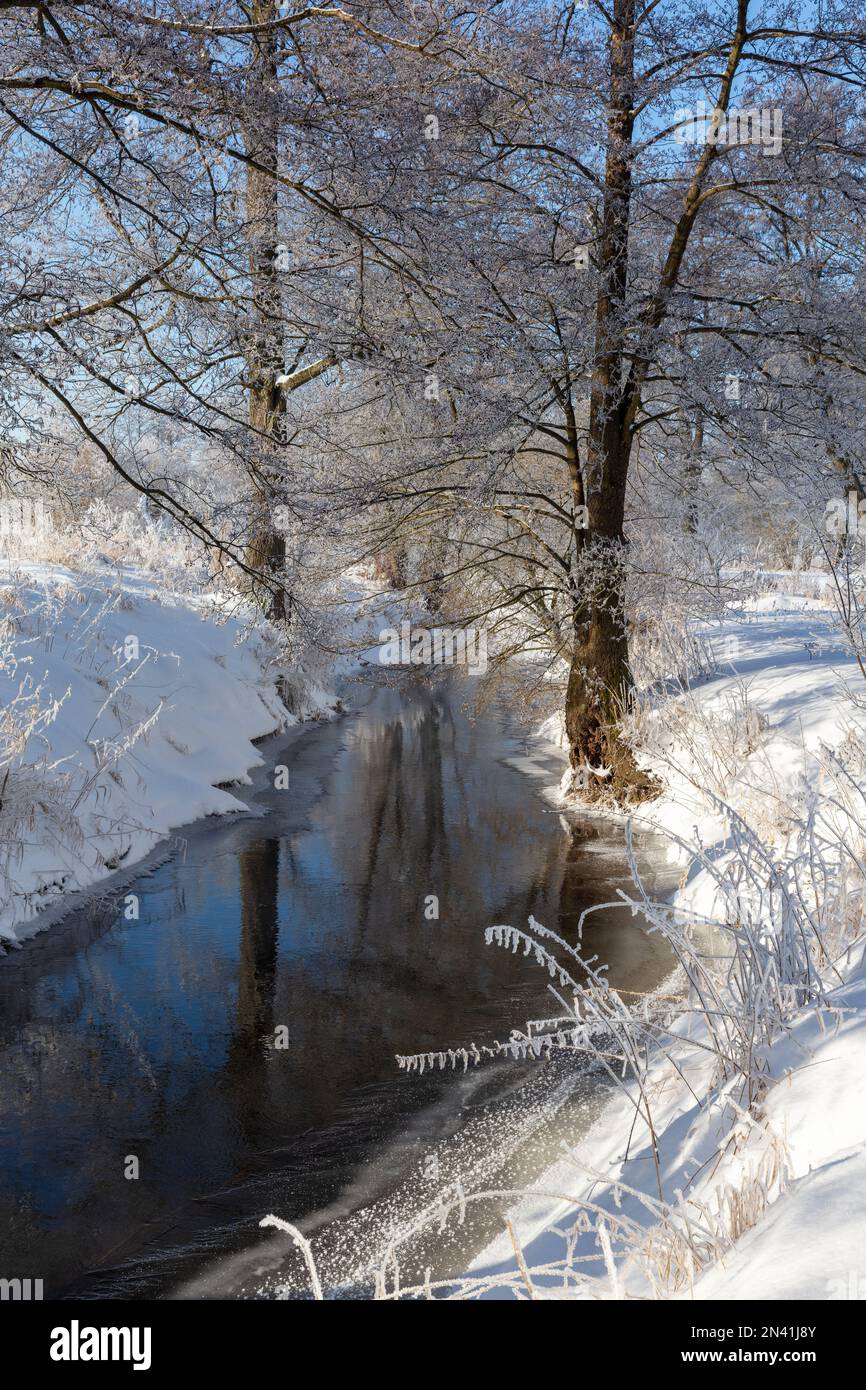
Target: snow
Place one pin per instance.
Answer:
(808, 1246)
(778, 1186)
(792, 668)
(816, 1232)
(133, 702)
(807, 1238)
(121, 742)
(198, 675)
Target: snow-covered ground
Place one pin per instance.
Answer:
(130, 707)
(761, 1198)
(125, 707)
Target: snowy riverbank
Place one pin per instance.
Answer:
(731, 1195)
(130, 707)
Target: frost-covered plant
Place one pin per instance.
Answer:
(661, 1246)
(667, 646)
(782, 918)
(36, 790)
(60, 803)
(707, 743)
(106, 535)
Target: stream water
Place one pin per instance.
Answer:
(235, 1046)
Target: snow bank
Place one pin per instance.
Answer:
(130, 702)
(124, 708)
(773, 1201)
(763, 1200)
(781, 691)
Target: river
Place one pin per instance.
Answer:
(167, 1081)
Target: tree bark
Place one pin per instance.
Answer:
(265, 352)
(600, 680)
(692, 436)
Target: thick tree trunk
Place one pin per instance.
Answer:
(265, 359)
(600, 680)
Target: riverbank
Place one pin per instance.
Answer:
(131, 706)
(239, 1037)
(745, 1185)
(139, 702)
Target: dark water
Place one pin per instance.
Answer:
(156, 1040)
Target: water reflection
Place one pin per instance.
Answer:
(244, 1076)
(156, 1038)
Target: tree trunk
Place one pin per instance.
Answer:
(600, 680)
(265, 359)
(693, 445)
